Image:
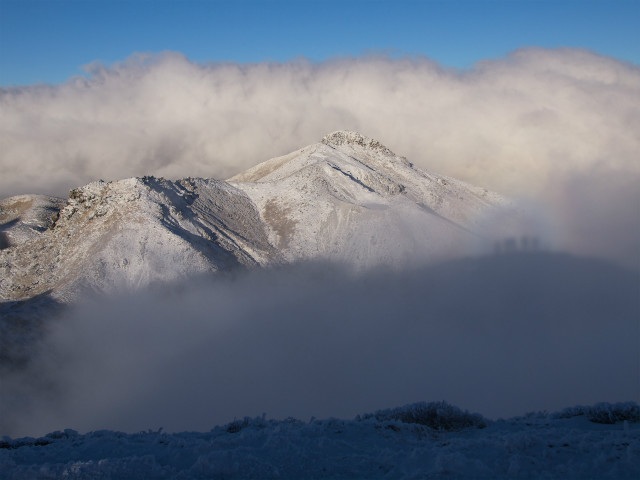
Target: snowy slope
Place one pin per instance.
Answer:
(133, 232)
(351, 198)
(566, 445)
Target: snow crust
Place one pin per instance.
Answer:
(533, 446)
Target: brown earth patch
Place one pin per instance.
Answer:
(276, 217)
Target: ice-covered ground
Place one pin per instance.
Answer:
(440, 442)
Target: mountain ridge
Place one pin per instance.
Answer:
(347, 198)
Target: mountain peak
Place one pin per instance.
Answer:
(348, 137)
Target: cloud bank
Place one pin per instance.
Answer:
(557, 126)
(501, 335)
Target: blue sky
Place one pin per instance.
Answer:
(49, 41)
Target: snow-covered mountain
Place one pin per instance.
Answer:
(347, 198)
(133, 232)
(352, 199)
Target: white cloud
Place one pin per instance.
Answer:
(558, 126)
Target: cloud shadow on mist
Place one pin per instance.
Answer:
(500, 335)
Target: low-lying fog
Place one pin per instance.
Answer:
(500, 335)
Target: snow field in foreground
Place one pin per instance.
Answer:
(564, 445)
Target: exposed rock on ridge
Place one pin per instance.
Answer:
(346, 137)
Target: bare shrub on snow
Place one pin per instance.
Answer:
(436, 415)
(606, 413)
